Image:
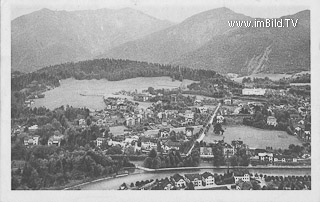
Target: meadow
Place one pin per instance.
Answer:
(254, 137)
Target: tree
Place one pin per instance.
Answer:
(114, 150)
(152, 153)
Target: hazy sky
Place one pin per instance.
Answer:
(173, 10)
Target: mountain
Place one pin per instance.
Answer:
(168, 44)
(248, 51)
(47, 37)
(207, 41)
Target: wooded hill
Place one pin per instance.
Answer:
(112, 70)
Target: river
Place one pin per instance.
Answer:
(138, 175)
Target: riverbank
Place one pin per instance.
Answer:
(109, 183)
(222, 167)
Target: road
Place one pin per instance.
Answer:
(203, 134)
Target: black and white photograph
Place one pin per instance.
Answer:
(103, 99)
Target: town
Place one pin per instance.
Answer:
(167, 128)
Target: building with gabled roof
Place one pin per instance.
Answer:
(179, 180)
(196, 179)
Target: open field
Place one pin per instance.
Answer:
(68, 93)
(254, 137)
(273, 77)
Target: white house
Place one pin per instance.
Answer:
(148, 145)
(55, 140)
(82, 123)
(179, 181)
(33, 128)
(228, 150)
(34, 140)
(272, 121)
(244, 176)
(220, 119)
(265, 156)
(203, 109)
(99, 141)
(206, 152)
(189, 116)
(208, 179)
(197, 102)
(196, 179)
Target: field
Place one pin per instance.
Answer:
(273, 77)
(254, 137)
(70, 89)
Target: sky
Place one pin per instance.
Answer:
(172, 10)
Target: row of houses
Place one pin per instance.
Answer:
(270, 157)
(198, 180)
(205, 179)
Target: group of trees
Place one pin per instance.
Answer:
(52, 166)
(172, 159)
(110, 69)
(208, 87)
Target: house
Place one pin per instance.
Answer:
(101, 122)
(127, 131)
(301, 122)
(241, 175)
(203, 110)
(130, 121)
(279, 158)
(197, 102)
(237, 143)
(100, 140)
(116, 143)
(206, 152)
(169, 145)
(31, 140)
(253, 91)
(166, 184)
(272, 121)
(141, 97)
(265, 156)
(33, 128)
(220, 119)
(55, 140)
(189, 115)
(129, 140)
(196, 179)
(148, 145)
(228, 101)
(207, 179)
(189, 131)
(178, 180)
(122, 106)
(82, 123)
(228, 150)
(307, 135)
(164, 132)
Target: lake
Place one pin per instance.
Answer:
(68, 93)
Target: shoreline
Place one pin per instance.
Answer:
(222, 167)
(181, 169)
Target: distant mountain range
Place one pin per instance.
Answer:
(203, 41)
(47, 37)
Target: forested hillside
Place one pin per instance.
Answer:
(112, 70)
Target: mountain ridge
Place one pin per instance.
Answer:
(48, 37)
(226, 50)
